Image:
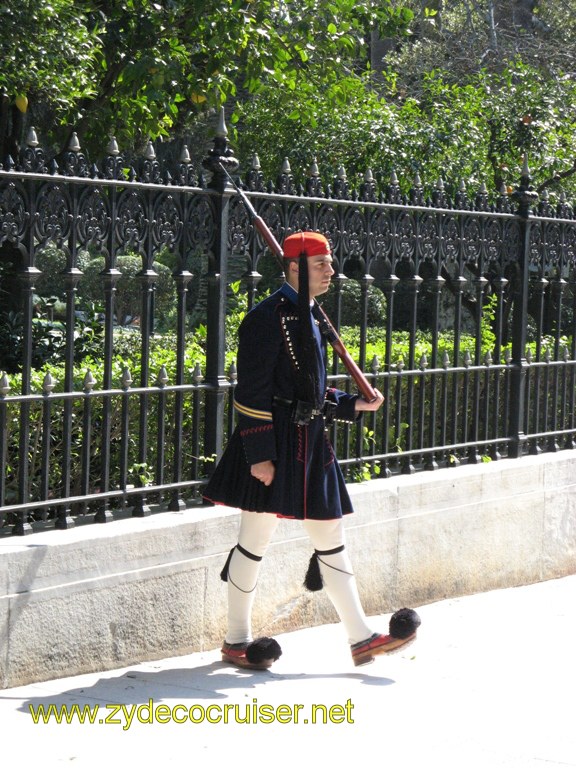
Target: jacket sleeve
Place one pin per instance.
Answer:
(345, 405)
(259, 344)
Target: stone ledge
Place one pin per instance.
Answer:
(104, 596)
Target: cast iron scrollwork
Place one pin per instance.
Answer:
(53, 214)
(472, 240)
(131, 222)
(354, 235)
(199, 222)
(381, 231)
(166, 223)
(492, 240)
(13, 214)
(300, 218)
(239, 227)
(404, 236)
(327, 223)
(93, 222)
(428, 237)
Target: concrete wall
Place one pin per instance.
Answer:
(104, 596)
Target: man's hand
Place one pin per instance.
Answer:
(263, 471)
(364, 405)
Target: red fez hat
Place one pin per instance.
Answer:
(307, 244)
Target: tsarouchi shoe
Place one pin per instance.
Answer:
(259, 654)
(402, 629)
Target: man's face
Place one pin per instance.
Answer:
(320, 272)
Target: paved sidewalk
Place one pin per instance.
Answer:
(489, 684)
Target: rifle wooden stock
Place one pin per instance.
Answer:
(366, 389)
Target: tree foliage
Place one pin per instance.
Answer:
(48, 52)
(476, 132)
(467, 37)
(473, 88)
(520, 55)
(455, 90)
(142, 69)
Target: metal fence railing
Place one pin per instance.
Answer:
(118, 297)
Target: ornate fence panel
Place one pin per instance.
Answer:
(470, 302)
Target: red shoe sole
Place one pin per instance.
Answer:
(367, 656)
(242, 662)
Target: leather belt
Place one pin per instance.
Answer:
(285, 403)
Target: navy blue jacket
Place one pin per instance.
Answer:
(308, 482)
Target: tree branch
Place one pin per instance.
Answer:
(557, 178)
(89, 105)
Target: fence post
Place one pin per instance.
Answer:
(525, 197)
(217, 287)
(27, 278)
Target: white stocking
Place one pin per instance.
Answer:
(338, 577)
(256, 530)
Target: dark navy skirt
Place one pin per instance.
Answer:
(308, 483)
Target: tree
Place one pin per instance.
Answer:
(520, 55)
(48, 56)
(464, 96)
(476, 132)
(142, 69)
(482, 34)
(462, 89)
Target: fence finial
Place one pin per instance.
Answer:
(221, 129)
(74, 143)
(525, 168)
(149, 152)
(126, 378)
(221, 155)
(48, 383)
(112, 148)
(32, 138)
(4, 384)
(89, 382)
(525, 194)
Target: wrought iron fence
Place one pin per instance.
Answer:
(470, 302)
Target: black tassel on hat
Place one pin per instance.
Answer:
(307, 377)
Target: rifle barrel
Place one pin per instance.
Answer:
(366, 389)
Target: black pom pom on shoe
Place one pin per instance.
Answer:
(313, 579)
(404, 623)
(262, 650)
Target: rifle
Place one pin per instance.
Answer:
(327, 329)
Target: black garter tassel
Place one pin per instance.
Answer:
(263, 649)
(404, 623)
(224, 571)
(313, 579)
